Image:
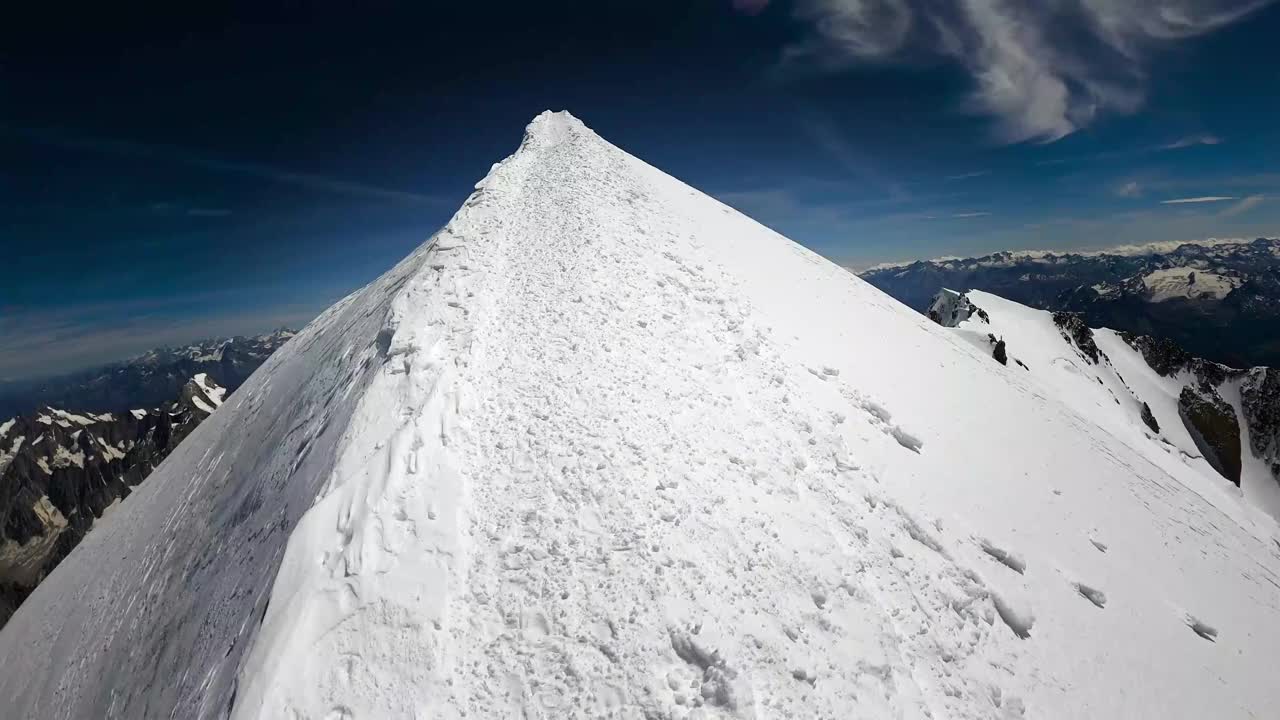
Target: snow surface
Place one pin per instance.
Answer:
(605, 447)
(1111, 393)
(71, 417)
(212, 391)
(1188, 283)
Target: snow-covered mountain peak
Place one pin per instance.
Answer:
(551, 127)
(606, 447)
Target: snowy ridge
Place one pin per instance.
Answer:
(1111, 392)
(606, 447)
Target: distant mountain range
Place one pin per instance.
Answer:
(1217, 299)
(62, 471)
(148, 380)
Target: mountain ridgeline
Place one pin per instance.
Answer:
(1218, 299)
(61, 471)
(148, 380)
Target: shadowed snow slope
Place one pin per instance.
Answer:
(607, 448)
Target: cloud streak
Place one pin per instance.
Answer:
(1243, 206)
(968, 176)
(1192, 141)
(308, 181)
(827, 136)
(1195, 200)
(43, 343)
(1131, 189)
(1042, 70)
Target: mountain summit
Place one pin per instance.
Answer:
(604, 447)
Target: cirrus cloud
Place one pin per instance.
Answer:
(1041, 70)
(1197, 200)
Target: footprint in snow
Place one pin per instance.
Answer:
(1204, 630)
(1093, 595)
(1004, 557)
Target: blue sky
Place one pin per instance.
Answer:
(175, 173)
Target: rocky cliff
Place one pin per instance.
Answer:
(62, 471)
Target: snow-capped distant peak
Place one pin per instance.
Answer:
(1188, 283)
(212, 390)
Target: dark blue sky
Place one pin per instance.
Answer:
(172, 173)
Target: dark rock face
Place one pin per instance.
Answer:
(1149, 419)
(1214, 428)
(60, 471)
(1260, 401)
(1110, 290)
(1166, 358)
(1074, 329)
(148, 380)
(1162, 354)
(999, 353)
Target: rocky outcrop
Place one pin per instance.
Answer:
(1076, 331)
(1168, 359)
(1260, 401)
(950, 308)
(61, 471)
(1215, 429)
(1149, 418)
(999, 350)
(1162, 354)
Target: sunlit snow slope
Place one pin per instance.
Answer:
(607, 448)
(1111, 389)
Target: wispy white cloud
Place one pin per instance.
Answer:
(1131, 189)
(1192, 200)
(1042, 70)
(1112, 155)
(309, 181)
(837, 146)
(1192, 141)
(166, 208)
(964, 215)
(1243, 206)
(750, 7)
(968, 175)
(39, 343)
